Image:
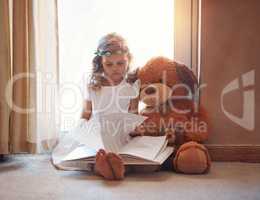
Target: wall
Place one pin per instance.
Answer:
(230, 42)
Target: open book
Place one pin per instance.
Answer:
(111, 133)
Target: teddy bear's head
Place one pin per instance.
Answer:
(164, 80)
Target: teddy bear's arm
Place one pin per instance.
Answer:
(198, 128)
(198, 136)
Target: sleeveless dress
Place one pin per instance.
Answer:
(109, 99)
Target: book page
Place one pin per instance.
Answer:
(89, 134)
(162, 156)
(137, 150)
(80, 152)
(115, 129)
(146, 147)
(112, 136)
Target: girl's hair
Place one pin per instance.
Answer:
(110, 43)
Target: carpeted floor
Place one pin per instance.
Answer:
(26, 177)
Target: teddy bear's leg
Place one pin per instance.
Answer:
(192, 158)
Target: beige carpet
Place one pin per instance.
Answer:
(27, 177)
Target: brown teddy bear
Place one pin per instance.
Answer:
(169, 91)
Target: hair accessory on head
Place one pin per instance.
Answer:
(109, 53)
(111, 44)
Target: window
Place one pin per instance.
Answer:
(147, 25)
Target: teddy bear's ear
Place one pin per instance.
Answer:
(187, 77)
(132, 76)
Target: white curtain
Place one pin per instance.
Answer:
(29, 114)
(44, 63)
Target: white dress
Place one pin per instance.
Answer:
(109, 99)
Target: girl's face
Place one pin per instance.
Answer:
(115, 66)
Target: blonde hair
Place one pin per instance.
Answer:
(109, 43)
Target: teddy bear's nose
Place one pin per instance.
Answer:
(150, 90)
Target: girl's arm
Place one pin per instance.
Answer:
(133, 107)
(87, 110)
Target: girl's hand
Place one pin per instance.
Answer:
(170, 135)
(87, 110)
(82, 122)
(139, 131)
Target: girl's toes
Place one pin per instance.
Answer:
(98, 161)
(102, 166)
(100, 155)
(117, 165)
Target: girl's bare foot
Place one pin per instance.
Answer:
(102, 166)
(109, 165)
(117, 165)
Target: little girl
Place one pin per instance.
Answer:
(110, 69)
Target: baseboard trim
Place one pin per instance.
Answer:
(235, 153)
